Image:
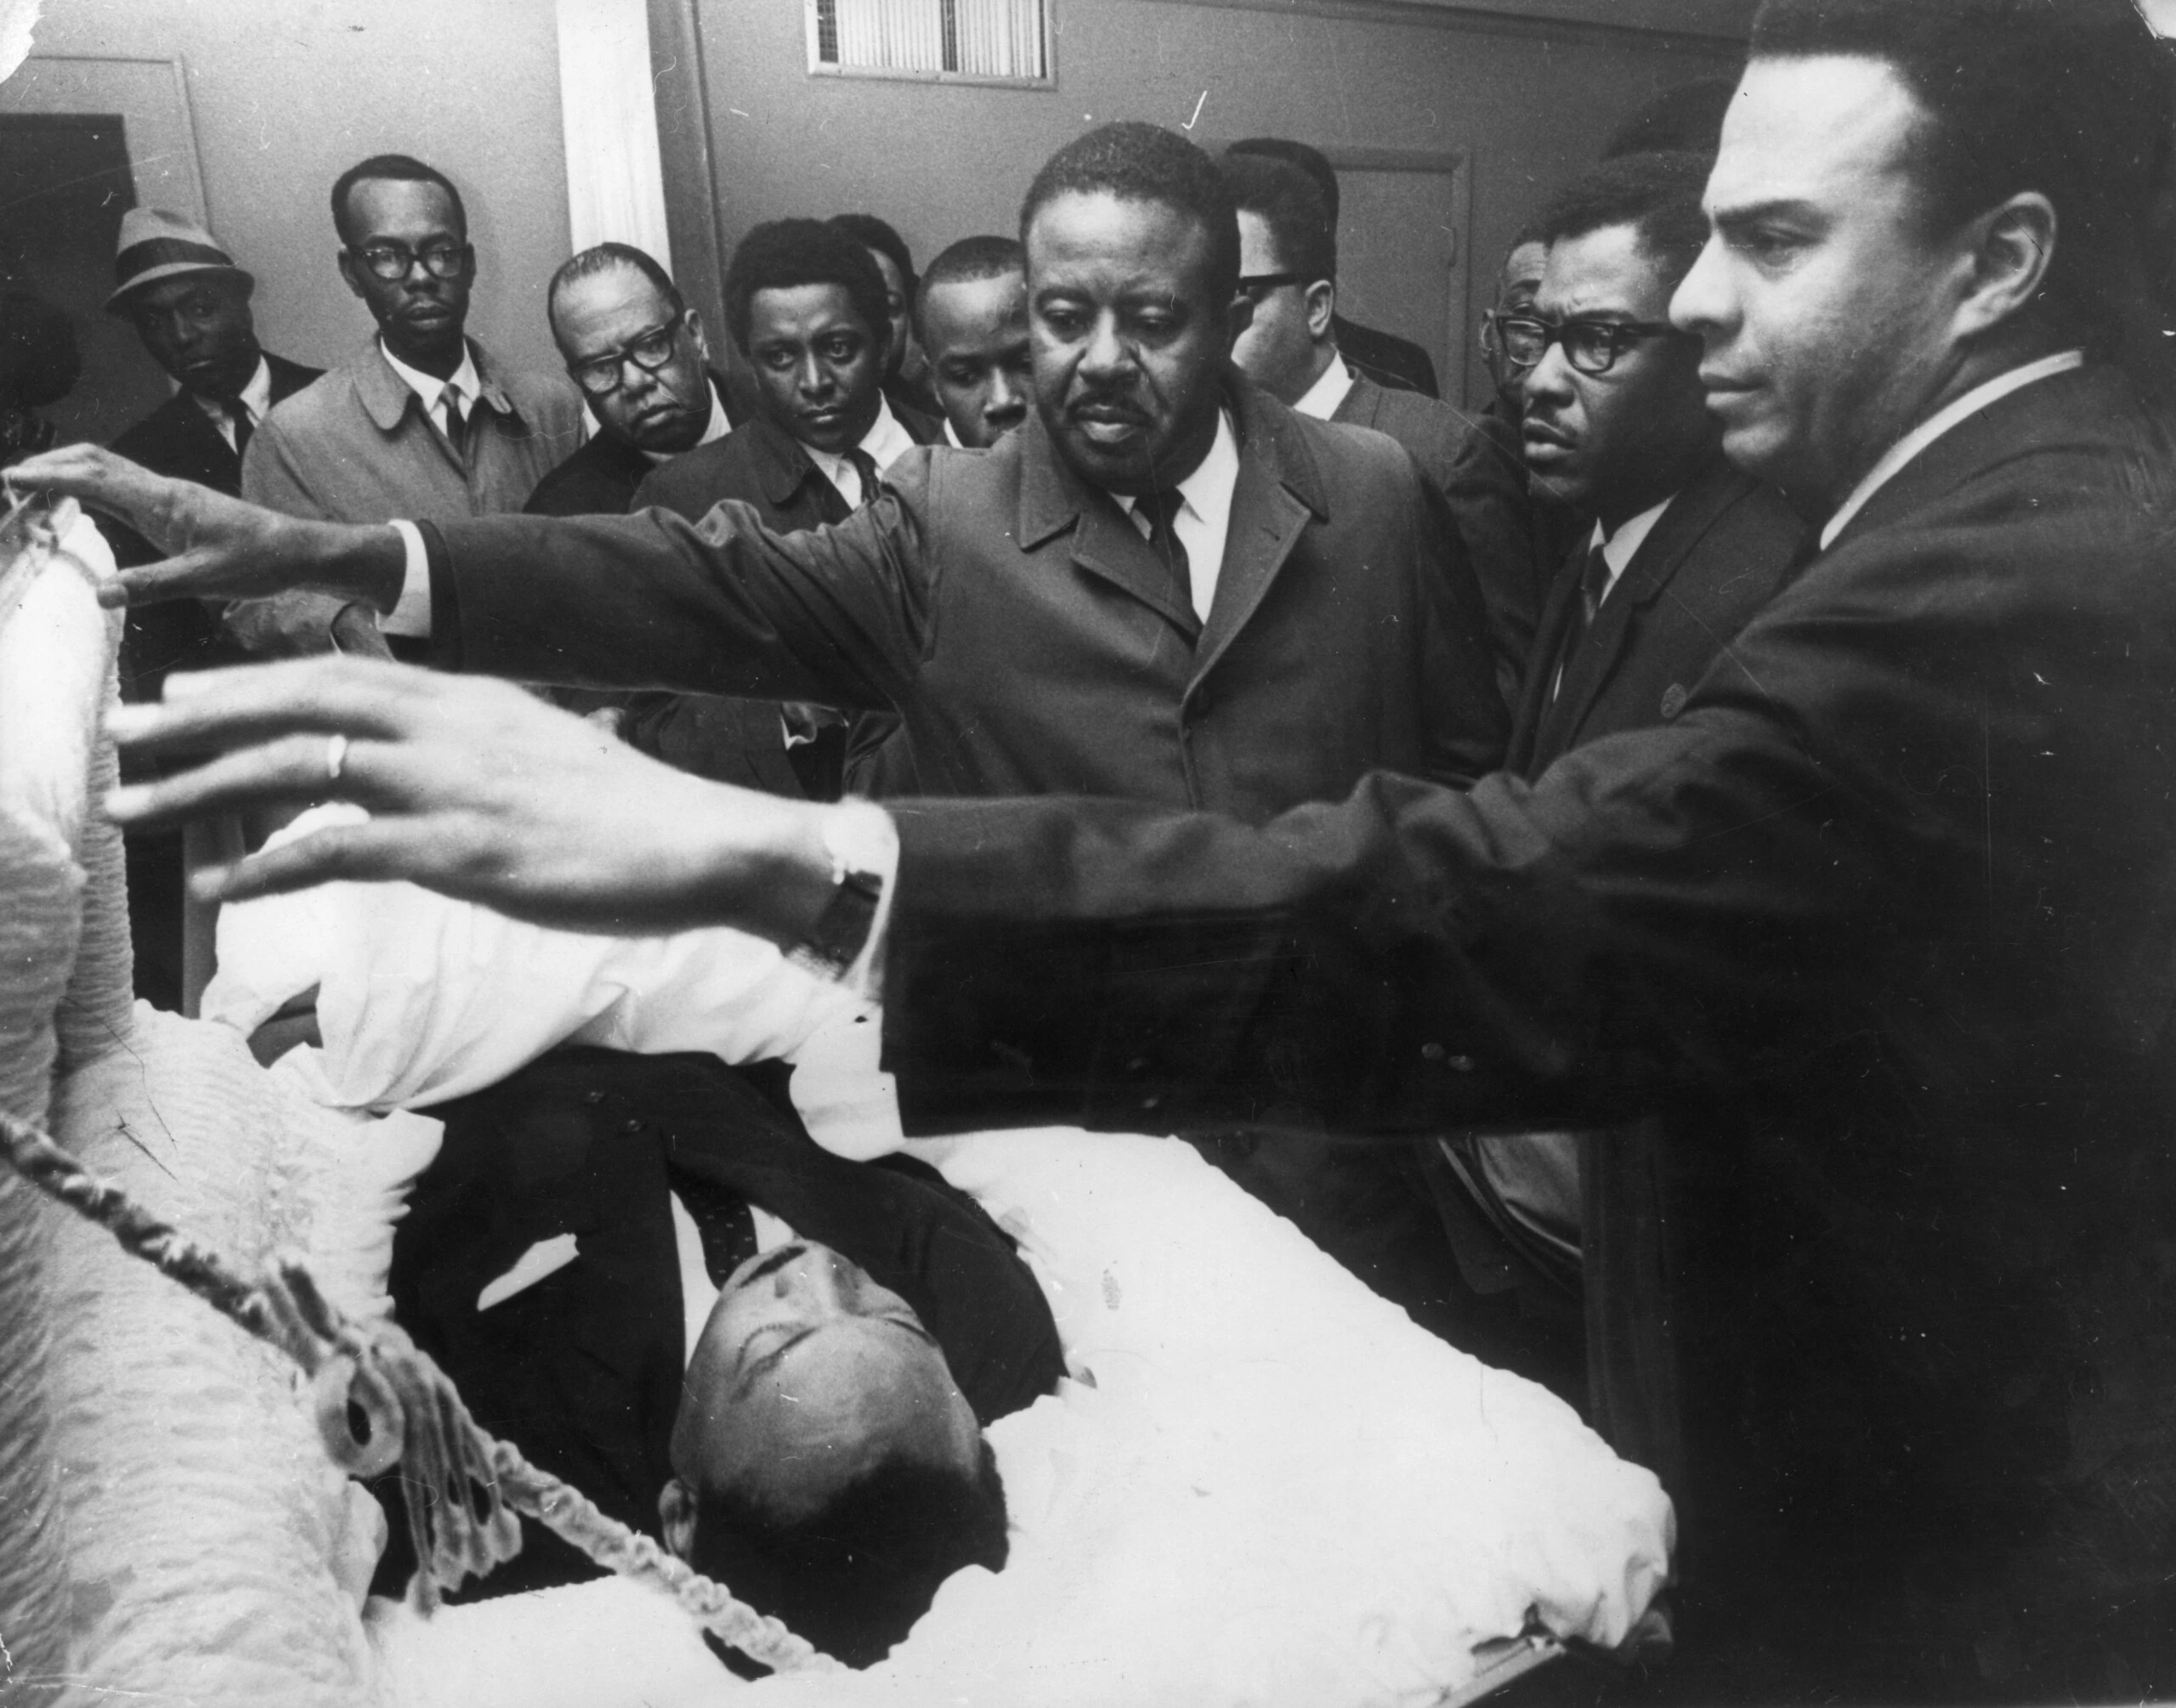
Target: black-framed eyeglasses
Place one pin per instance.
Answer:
(1592, 346)
(1257, 285)
(599, 375)
(393, 261)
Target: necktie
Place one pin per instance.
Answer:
(243, 426)
(721, 1217)
(456, 424)
(1162, 509)
(1594, 585)
(864, 467)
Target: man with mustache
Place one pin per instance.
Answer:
(419, 422)
(1683, 549)
(1881, 919)
(642, 1271)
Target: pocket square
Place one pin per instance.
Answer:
(546, 1257)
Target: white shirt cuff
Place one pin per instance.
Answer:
(410, 614)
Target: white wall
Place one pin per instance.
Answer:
(288, 93)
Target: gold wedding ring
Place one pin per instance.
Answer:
(335, 757)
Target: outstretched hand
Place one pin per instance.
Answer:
(475, 789)
(217, 547)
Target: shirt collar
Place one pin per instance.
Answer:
(1936, 424)
(427, 387)
(1322, 398)
(951, 437)
(255, 397)
(1208, 491)
(1618, 549)
(884, 441)
(718, 428)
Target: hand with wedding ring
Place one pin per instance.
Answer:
(475, 789)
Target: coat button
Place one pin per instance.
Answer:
(1433, 1052)
(1673, 699)
(631, 1127)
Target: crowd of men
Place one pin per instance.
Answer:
(1699, 822)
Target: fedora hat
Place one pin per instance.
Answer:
(157, 245)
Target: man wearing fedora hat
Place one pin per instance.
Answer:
(189, 304)
(179, 287)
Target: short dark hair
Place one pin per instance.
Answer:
(401, 169)
(1310, 161)
(1143, 162)
(782, 254)
(2070, 98)
(608, 257)
(1685, 120)
(970, 258)
(1656, 194)
(1287, 201)
(872, 233)
(853, 1577)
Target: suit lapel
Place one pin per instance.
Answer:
(1541, 662)
(1105, 543)
(207, 445)
(1691, 514)
(1279, 492)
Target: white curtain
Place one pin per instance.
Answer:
(616, 184)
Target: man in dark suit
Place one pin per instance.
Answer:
(1683, 550)
(639, 353)
(190, 305)
(1880, 918)
(1021, 609)
(1288, 269)
(806, 304)
(1383, 357)
(560, 1258)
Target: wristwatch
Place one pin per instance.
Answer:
(862, 846)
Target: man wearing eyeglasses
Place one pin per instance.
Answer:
(1287, 262)
(420, 422)
(640, 357)
(1683, 549)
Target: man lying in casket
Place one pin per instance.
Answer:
(810, 1431)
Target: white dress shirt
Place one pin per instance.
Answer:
(718, 428)
(1322, 398)
(1204, 519)
(462, 380)
(255, 399)
(951, 437)
(1936, 424)
(1618, 549)
(884, 441)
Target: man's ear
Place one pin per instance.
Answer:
(2013, 247)
(347, 263)
(676, 1512)
(1321, 299)
(1237, 318)
(695, 325)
